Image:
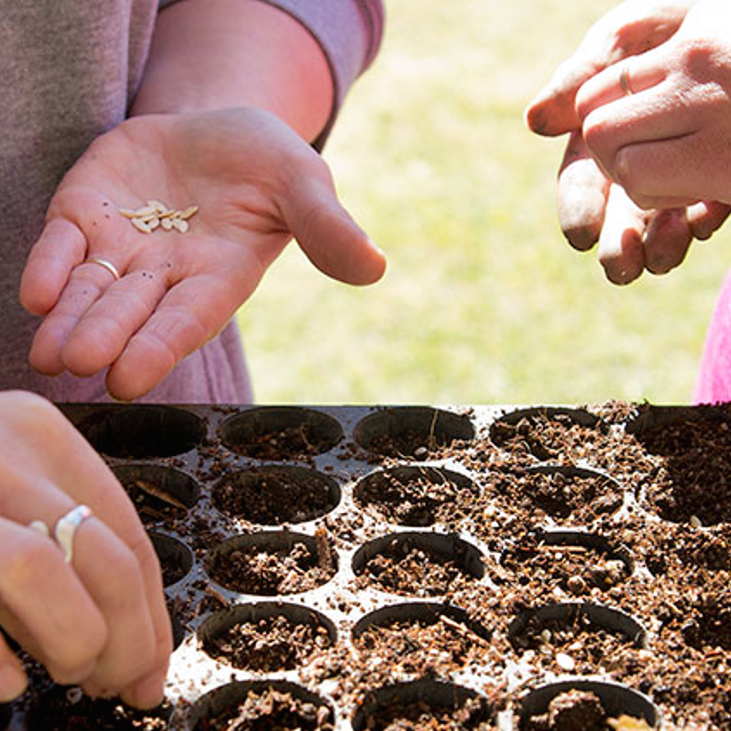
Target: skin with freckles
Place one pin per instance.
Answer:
(651, 166)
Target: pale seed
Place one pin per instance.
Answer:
(166, 223)
(180, 225)
(141, 225)
(188, 212)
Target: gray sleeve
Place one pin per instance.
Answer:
(349, 33)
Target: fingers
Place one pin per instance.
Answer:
(667, 239)
(86, 285)
(706, 217)
(582, 195)
(34, 577)
(13, 681)
(101, 619)
(620, 243)
(191, 313)
(93, 336)
(61, 247)
(629, 29)
(327, 234)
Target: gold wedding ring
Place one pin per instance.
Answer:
(624, 82)
(106, 264)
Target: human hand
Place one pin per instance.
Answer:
(630, 237)
(99, 621)
(257, 184)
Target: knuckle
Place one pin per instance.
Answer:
(122, 583)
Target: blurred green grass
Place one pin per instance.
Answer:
(483, 301)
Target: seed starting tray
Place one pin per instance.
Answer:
(495, 567)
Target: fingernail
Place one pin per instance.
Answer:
(12, 683)
(148, 692)
(373, 246)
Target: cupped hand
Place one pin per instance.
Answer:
(257, 184)
(100, 620)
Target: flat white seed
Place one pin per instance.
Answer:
(127, 213)
(166, 223)
(188, 212)
(141, 225)
(145, 211)
(153, 223)
(159, 207)
(180, 225)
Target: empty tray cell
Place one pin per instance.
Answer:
(273, 495)
(574, 561)
(67, 708)
(411, 636)
(413, 495)
(424, 705)
(587, 705)
(586, 639)
(412, 431)
(691, 483)
(547, 433)
(261, 705)
(143, 431)
(418, 564)
(561, 493)
(175, 557)
(159, 493)
(273, 563)
(266, 636)
(280, 432)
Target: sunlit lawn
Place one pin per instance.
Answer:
(483, 301)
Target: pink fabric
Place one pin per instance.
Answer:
(714, 378)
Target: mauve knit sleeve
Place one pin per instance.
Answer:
(349, 33)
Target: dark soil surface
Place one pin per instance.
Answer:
(416, 500)
(566, 498)
(153, 504)
(274, 497)
(437, 648)
(410, 570)
(577, 571)
(254, 570)
(288, 443)
(271, 644)
(271, 710)
(575, 710)
(422, 716)
(68, 709)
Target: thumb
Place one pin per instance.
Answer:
(329, 236)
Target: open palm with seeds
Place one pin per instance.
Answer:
(234, 186)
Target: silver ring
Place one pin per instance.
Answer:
(39, 527)
(66, 528)
(106, 264)
(624, 82)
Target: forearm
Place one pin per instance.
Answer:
(214, 54)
